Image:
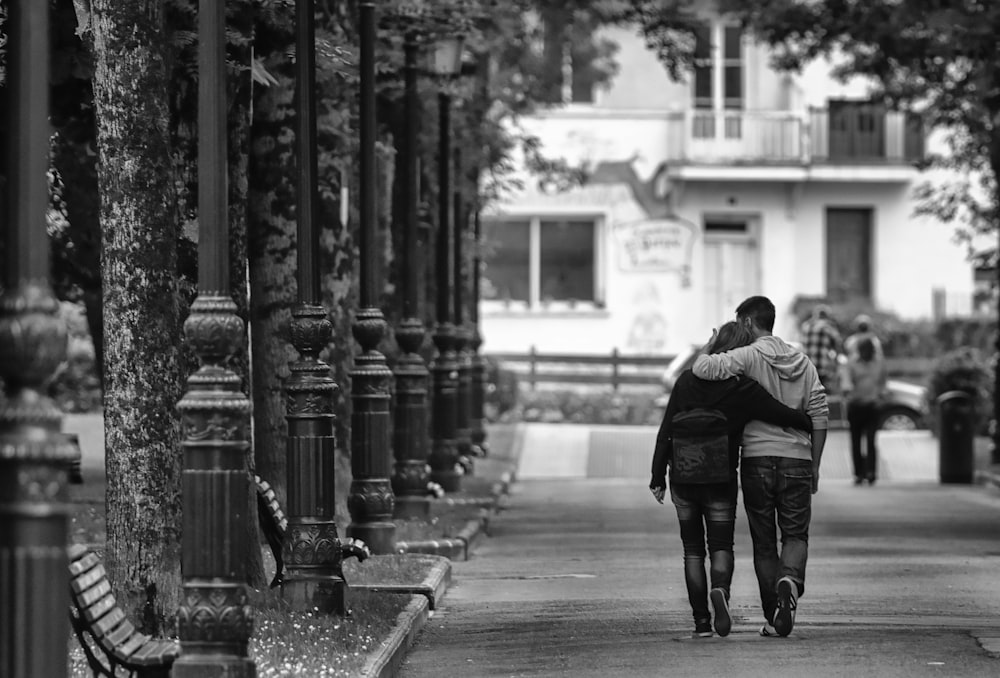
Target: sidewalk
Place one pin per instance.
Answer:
(583, 576)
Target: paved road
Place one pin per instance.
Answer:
(583, 576)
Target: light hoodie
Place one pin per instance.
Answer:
(788, 375)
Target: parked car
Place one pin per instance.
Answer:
(904, 410)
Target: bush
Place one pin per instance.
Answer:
(583, 406)
(77, 386)
(964, 369)
(501, 390)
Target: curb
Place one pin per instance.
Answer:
(386, 662)
(433, 587)
(459, 546)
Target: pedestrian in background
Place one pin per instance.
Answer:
(779, 467)
(867, 382)
(862, 330)
(710, 509)
(822, 343)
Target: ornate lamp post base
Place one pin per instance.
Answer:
(323, 593)
(412, 508)
(379, 536)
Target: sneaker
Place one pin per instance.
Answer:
(702, 629)
(723, 620)
(768, 631)
(784, 616)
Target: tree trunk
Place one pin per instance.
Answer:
(995, 166)
(271, 244)
(238, 125)
(139, 262)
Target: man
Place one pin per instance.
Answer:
(822, 343)
(780, 466)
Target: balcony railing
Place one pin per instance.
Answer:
(858, 135)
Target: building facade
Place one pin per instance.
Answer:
(741, 180)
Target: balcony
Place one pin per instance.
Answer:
(845, 134)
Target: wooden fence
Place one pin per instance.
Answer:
(612, 369)
(615, 369)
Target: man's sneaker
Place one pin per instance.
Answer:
(784, 616)
(702, 629)
(768, 631)
(720, 606)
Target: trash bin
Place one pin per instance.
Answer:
(957, 421)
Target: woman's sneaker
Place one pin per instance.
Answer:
(702, 629)
(788, 598)
(720, 606)
(768, 631)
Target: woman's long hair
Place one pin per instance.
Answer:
(731, 335)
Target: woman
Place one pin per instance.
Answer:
(867, 374)
(710, 510)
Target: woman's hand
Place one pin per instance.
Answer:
(659, 493)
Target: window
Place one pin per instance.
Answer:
(718, 79)
(703, 71)
(540, 262)
(508, 260)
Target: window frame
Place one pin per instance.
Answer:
(535, 303)
(717, 63)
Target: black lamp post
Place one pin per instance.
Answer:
(444, 454)
(371, 501)
(410, 477)
(34, 455)
(463, 336)
(215, 619)
(477, 421)
(311, 548)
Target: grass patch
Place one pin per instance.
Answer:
(400, 568)
(288, 644)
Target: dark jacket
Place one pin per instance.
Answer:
(741, 399)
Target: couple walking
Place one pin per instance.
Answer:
(768, 402)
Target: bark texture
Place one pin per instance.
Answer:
(139, 261)
(271, 245)
(238, 118)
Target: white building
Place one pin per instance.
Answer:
(740, 181)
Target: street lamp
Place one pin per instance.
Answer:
(215, 618)
(463, 336)
(34, 455)
(446, 59)
(410, 477)
(370, 500)
(310, 548)
(444, 456)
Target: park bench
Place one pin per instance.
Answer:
(274, 524)
(109, 640)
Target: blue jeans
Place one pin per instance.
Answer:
(778, 489)
(706, 512)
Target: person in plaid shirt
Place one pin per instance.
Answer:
(822, 342)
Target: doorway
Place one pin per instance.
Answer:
(732, 269)
(848, 254)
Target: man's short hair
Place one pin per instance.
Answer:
(760, 310)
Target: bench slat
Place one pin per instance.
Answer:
(119, 635)
(88, 562)
(94, 594)
(85, 581)
(108, 622)
(98, 609)
(155, 653)
(124, 651)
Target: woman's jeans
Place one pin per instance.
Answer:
(706, 511)
(863, 420)
(778, 489)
